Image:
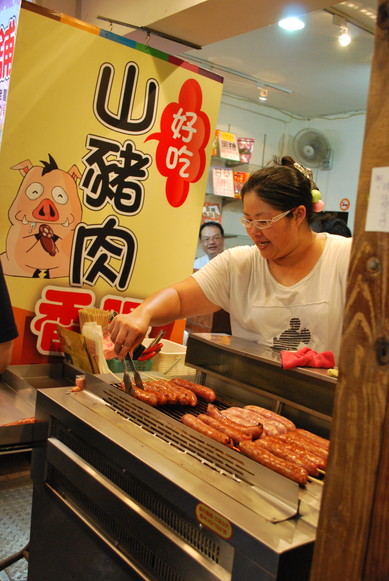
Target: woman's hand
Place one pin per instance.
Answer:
(128, 331)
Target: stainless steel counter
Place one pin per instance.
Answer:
(18, 390)
(126, 491)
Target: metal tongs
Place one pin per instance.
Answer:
(142, 353)
(128, 388)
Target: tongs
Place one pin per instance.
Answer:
(142, 353)
(128, 388)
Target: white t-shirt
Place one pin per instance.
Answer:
(201, 261)
(309, 313)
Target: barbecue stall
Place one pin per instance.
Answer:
(124, 490)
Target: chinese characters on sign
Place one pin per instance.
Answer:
(134, 129)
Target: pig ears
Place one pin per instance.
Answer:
(23, 167)
(74, 173)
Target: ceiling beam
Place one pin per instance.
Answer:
(215, 20)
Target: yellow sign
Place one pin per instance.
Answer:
(213, 521)
(104, 164)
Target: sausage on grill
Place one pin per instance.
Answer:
(188, 393)
(235, 434)
(318, 439)
(245, 416)
(303, 444)
(287, 452)
(196, 424)
(201, 390)
(146, 397)
(162, 397)
(270, 415)
(254, 451)
(253, 431)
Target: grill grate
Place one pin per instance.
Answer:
(226, 462)
(138, 491)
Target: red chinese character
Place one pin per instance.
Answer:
(57, 305)
(185, 131)
(120, 305)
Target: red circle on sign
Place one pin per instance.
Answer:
(344, 204)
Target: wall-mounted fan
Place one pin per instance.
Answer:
(312, 149)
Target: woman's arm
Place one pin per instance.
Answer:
(181, 300)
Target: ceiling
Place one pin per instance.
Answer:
(306, 72)
(323, 78)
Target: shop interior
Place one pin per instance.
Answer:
(289, 95)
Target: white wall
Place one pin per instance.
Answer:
(273, 131)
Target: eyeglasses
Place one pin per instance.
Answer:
(211, 238)
(264, 224)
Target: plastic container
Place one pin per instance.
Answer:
(171, 359)
(116, 366)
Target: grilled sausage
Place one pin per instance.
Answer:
(314, 459)
(272, 416)
(235, 434)
(196, 424)
(171, 397)
(161, 395)
(253, 431)
(201, 390)
(192, 398)
(287, 452)
(303, 444)
(269, 419)
(149, 398)
(183, 398)
(254, 451)
(244, 416)
(322, 442)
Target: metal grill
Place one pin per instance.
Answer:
(136, 490)
(126, 541)
(224, 461)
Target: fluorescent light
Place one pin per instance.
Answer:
(291, 23)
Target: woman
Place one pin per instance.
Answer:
(287, 291)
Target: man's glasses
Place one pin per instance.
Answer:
(207, 239)
(264, 224)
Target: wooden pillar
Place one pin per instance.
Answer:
(353, 533)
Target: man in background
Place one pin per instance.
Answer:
(212, 242)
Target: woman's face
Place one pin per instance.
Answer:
(278, 240)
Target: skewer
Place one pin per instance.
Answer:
(321, 471)
(312, 479)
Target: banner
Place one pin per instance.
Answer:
(103, 169)
(9, 12)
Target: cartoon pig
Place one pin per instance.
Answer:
(43, 217)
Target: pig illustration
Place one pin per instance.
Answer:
(43, 217)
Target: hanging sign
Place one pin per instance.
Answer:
(9, 12)
(104, 164)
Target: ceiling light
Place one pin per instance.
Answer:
(291, 23)
(344, 37)
(262, 94)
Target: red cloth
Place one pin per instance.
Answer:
(306, 357)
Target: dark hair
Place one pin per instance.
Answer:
(282, 185)
(329, 222)
(217, 224)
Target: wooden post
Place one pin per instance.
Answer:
(353, 533)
